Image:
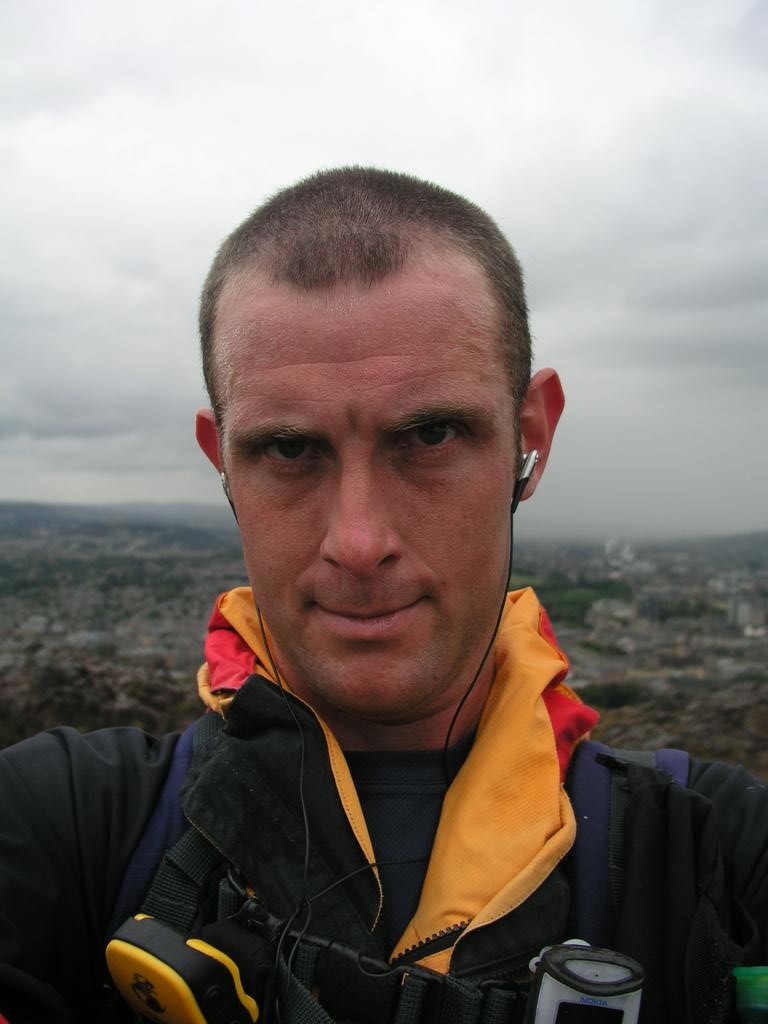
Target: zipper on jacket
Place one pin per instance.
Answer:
(515, 970)
(442, 939)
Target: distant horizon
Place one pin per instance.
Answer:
(214, 514)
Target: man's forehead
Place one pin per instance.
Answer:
(437, 285)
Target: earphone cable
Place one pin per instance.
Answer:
(484, 658)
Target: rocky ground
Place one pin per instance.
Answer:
(729, 723)
(93, 695)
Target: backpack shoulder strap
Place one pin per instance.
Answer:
(598, 791)
(166, 824)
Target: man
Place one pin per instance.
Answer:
(370, 412)
(397, 729)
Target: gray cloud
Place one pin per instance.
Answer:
(621, 147)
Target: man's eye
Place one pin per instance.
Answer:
(286, 448)
(435, 433)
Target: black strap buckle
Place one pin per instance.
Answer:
(353, 985)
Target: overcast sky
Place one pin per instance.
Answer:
(622, 146)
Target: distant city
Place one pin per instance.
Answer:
(677, 613)
(105, 611)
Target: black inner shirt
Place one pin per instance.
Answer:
(401, 793)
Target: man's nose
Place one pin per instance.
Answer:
(360, 534)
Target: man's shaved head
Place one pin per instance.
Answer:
(360, 225)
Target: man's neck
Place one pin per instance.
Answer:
(430, 732)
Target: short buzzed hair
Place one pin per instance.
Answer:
(360, 224)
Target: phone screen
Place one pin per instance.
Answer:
(583, 1013)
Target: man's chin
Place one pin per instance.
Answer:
(386, 693)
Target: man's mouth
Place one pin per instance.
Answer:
(368, 623)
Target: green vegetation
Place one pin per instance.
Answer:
(604, 696)
(684, 609)
(568, 602)
(593, 645)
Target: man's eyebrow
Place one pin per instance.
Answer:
(442, 411)
(253, 437)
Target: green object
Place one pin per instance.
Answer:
(752, 994)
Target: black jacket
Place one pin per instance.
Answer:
(74, 807)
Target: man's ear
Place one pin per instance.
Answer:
(542, 406)
(207, 434)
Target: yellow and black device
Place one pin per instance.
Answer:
(171, 978)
